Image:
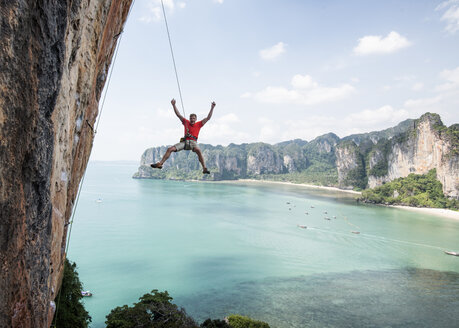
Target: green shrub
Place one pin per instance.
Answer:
(216, 323)
(152, 310)
(70, 312)
(239, 321)
(420, 190)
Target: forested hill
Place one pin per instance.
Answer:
(354, 162)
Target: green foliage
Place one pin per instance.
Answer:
(216, 323)
(239, 321)
(419, 190)
(380, 169)
(70, 311)
(153, 310)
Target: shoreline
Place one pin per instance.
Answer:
(305, 185)
(443, 212)
(440, 212)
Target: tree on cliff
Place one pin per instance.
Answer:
(152, 310)
(70, 311)
(155, 310)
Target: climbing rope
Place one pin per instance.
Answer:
(173, 58)
(117, 39)
(120, 36)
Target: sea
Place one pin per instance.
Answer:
(288, 255)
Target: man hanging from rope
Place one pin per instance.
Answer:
(189, 142)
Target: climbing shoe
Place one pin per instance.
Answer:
(156, 166)
(205, 171)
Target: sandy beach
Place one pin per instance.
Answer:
(432, 211)
(310, 186)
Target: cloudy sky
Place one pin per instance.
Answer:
(279, 70)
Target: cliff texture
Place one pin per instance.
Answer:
(347, 163)
(428, 145)
(54, 58)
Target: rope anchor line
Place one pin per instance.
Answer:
(173, 58)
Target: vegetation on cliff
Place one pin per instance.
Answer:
(70, 311)
(155, 309)
(419, 190)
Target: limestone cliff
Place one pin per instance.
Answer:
(54, 58)
(428, 145)
(356, 161)
(349, 164)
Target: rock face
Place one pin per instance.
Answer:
(347, 162)
(423, 148)
(54, 58)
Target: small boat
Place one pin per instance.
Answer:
(287, 203)
(99, 200)
(452, 253)
(312, 206)
(306, 213)
(356, 232)
(325, 212)
(302, 226)
(326, 218)
(86, 293)
(334, 216)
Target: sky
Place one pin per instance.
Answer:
(279, 70)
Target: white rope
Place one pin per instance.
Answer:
(173, 58)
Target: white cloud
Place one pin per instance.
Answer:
(273, 52)
(165, 113)
(222, 129)
(376, 44)
(303, 82)
(444, 99)
(154, 12)
(305, 91)
(423, 103)
(310, 128)
(452, 80)
(219, 1)
(451, 15)
(358, 122)
(405, 78)
(377, 118)
(417, 86)
(228, 118)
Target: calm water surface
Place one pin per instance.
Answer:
(221, 248)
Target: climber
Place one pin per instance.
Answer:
(189, 142)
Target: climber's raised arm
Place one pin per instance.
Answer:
(181, 118)
(204, 121)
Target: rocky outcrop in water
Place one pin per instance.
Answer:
(54, 59)
(357, 161)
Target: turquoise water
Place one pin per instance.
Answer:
(222, 248)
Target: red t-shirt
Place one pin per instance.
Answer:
(192, 129)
